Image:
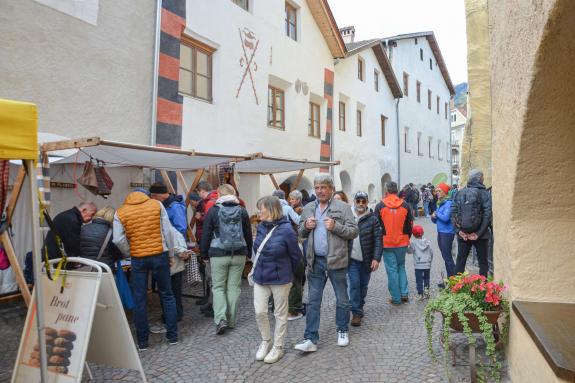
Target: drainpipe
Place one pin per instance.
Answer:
(398, 143)
(449, 152)
(155, 73)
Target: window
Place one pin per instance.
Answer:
(416, 41)
(276, 108)
(438, 104)
(418, 88)
(439, 156)
(376, 80)
(406, 140)
(291, 22)
(383, 118)
(421, 54)
(195, 69)
(405, 83)
(447, 152)
(419, 152)
(242, 3)
(429, 147)
(429, 99)
(314, 127)
(342, 116)
(446, 111)
(358, 122)
(453, 117)
(430, 64)
(360, 66)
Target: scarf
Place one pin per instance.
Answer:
(227, 198)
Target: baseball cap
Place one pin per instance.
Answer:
(417, 230)
(361, 195)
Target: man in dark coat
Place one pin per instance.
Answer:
(365, 255)
(68, 225)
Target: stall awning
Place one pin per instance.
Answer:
(114, 153)
(261, 164)
(123, 154)
(19, 130)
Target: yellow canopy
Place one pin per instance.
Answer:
(18, 130)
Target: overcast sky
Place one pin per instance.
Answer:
(382, 18)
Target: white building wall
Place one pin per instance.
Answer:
(364, 158)
(238, 125)
(405, 57)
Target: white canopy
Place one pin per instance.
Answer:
(123, 154)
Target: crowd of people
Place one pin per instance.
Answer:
(299, 241)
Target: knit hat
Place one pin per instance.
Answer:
(417, 230)
(445, 187)
(158, 188)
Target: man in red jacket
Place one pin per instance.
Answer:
(396, 222)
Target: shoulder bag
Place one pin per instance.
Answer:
(256, 257)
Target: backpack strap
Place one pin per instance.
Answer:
(105, 244)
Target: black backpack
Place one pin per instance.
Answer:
(413, 196)
(469, 213)
(231, 233)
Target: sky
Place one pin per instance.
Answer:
(382, 18)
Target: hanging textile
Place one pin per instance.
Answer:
(4, 174)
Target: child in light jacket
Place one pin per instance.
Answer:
(420, 247)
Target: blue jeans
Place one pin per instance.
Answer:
(159, 266)
(414, 209)
(422, 280)
(445, 241)
(394, 260)
(316, 283)
(358, 280)
(426, 208)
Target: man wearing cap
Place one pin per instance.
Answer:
(365, 255)
(142, 230)
(396, 222)
(177, 213)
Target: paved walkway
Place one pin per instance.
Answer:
(390, 346)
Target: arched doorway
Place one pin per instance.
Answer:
(371, 192)
(345, 182)
(304, 184)
(384, 179)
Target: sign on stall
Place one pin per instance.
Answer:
(86, 318)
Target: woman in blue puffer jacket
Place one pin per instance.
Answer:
(278, 254)
(445, 229)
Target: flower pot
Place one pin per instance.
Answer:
(492, 317)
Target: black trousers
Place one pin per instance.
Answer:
(463, 248)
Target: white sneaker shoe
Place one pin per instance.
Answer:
(158, 329)
(263, 349)
(274, 355)
(306, 346)
(342, 338)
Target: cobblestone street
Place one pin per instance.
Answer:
(390, 346)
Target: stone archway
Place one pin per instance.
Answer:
(345, 182)
(304, 184)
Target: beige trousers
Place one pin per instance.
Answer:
(280, 294)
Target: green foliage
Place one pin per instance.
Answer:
(474, 295)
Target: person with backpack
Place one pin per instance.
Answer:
(227, 241)
(445, 229)
(426, 198)
(277, 256)
(471, 216)
(413, 199)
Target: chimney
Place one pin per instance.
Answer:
(348, 34)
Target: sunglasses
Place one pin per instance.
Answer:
(361, 201)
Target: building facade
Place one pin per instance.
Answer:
(458, 121)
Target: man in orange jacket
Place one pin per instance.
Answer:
(396, 222)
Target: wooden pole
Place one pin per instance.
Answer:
(7, 244)
(297, 180)
(168, 182)
(15, 194)
(182, 180)
(276, 186)
(195, 182)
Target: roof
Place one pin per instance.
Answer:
(325, 21)
(430, 36)
(381, 56)
(115, 154)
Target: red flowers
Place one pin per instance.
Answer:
(478, 288)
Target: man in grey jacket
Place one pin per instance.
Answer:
(329, 226)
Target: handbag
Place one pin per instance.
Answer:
(193, 274)
(96, 179)
(257, 256)
(124, 287)
(104, 245)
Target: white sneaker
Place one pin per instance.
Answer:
(263, 349)
(342, 338)
(158, 329)
(274, 355)
(294, 316)
(306, 346)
